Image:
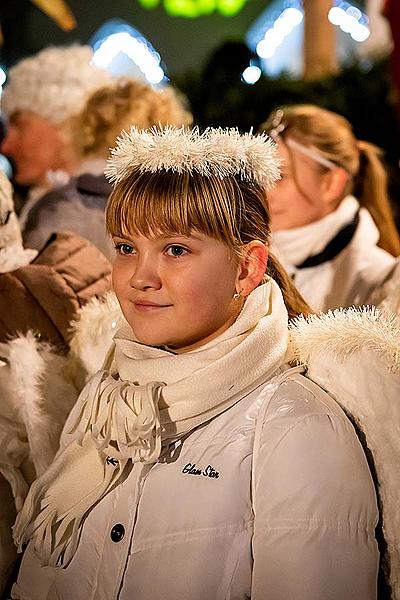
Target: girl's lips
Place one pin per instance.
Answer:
(147, 307)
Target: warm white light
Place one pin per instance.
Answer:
(354, 12)
(283, 26)
(251, 74)
(360, 33)
(348, 18)
(136, 49)
(278, 31)
(3, 76)
(293, 15)
(265, 50)
(274, 38)
(336, 15)
(155, 75)
(347, 24)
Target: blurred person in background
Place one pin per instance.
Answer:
(43, 92)
(40, 294)
(331, 217)
(79, 205)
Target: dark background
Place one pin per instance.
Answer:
(205, 58)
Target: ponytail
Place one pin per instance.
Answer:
(294, 301)
(370, 187)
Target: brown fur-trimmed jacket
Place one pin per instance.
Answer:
(44, 296)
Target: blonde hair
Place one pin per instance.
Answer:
(333, 137)
(228, 209)
(116, 107)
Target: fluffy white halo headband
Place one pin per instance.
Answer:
(215, 152)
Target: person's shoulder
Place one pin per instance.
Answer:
(302, 417)
(301, 411)
(54, 196)
(309, 468)
(298, 398)
(50, 204)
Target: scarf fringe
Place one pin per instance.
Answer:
(118, 424)
(123, 419)
(55, 532)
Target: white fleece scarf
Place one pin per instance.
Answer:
(150, 398)
(293, 246)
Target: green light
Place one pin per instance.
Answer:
(191, 9)
(206, 7)
(228, 8)
(149, 4)
(181, 8)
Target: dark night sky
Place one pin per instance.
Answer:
(184, 44)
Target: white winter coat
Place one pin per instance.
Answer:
(352, 276)
(214, 520)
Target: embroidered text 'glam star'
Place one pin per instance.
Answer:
(209, 471)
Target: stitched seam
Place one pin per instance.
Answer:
(313, 524)
(183, 537)
(304, 419)
(300, 383)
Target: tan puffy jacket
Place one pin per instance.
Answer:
(45, 296)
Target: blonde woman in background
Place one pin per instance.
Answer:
(119, 106)
(331, 218)
(79, 206)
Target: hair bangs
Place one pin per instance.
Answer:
(164, 203)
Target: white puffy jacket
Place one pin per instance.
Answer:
(294, 520)
(352, 276)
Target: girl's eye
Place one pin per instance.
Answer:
(124, 249)
(176, 251)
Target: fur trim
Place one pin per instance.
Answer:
(15, 257)
(37, 395)
(92, 334)
(344, 332)
(12, 254)
(27, 368)
(54, 83)
(215, 152)
(387, 297)
(44, 395)
(355, 356)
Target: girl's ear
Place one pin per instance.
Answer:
(252, 267)
(333, 186)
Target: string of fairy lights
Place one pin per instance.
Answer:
(272, 34)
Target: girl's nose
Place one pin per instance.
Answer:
(145, 275)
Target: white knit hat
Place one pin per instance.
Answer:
(54, 83)
(12, 253)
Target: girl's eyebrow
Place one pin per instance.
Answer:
(168, 236)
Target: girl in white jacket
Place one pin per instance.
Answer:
(337, 246)
(198, 464)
